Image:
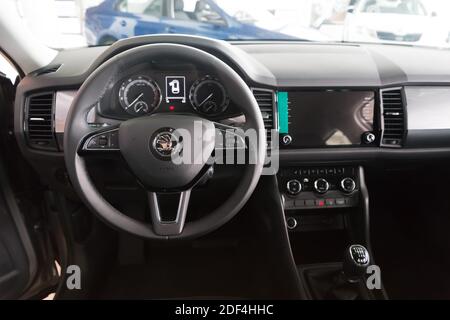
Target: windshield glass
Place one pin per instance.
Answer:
(77, 23)
(412, 7)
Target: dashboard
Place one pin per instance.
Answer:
(326, 102)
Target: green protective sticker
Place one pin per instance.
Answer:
(283, 113)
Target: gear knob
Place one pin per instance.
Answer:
(356, 261)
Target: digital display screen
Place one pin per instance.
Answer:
(176, 88)
(325, 118)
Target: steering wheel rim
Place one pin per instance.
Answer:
(77, 129)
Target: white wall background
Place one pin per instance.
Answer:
(57, 23)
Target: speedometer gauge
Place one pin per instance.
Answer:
(139, 95)
(208, 96)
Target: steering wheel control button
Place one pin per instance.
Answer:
(108, 140)
(294, 187)
(348, 185)
(103, 141)
(368, 137)
(321, 185)
(114, 140)
(291, 223)
(286, 140)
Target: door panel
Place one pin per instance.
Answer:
(17, 258)
(20, 271)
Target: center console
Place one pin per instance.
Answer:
(326, 203)
(326, 213)
(317, 189)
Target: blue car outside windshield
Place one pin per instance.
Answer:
(117, 19)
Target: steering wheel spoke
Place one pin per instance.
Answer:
(165, 223)
(101, 141)
(229, 138)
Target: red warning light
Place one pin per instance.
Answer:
(171, 108)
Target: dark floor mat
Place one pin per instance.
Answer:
(183, 273)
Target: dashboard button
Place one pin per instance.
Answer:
(340, 202)
(305, 172)
(309, 203)
(289, 203)
(299, 203)
(291, 223)
(320, 203)
(368, 137)
(286, 140)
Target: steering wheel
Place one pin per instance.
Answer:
(146, 141)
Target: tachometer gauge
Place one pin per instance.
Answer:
(208, 96)
(139, 95)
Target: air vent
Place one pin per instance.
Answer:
(46, 70)
(265, 99)
(393, 117)
(39, 121)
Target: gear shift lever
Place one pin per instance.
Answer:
(356, 261)
(342, 282)
(346, 287)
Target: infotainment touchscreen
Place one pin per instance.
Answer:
(325, 118)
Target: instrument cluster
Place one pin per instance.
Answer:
(181, 89)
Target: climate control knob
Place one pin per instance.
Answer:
(321, 185)
(293, 187)
(348, 185)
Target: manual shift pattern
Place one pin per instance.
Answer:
(359, 254)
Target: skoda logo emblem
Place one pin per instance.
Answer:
(165, 143)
